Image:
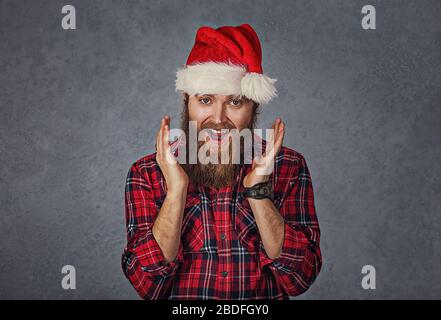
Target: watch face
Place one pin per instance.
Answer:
(263, 191)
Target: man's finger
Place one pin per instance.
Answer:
(169, 156)
(276, 127)
(274, 124)
(279, 139)
(160, 140)
(271, 138)
(167, 120)
(165, 131)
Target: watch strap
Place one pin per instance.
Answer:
(260, 191)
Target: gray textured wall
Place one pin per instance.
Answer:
(79, 107)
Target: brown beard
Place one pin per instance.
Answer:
(212, 175)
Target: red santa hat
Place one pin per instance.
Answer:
(226, 61)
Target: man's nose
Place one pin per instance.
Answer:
(219, 113)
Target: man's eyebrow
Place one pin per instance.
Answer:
(212, 96)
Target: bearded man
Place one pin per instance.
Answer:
(223, 229)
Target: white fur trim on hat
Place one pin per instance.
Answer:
(222, 78)
(258, 87)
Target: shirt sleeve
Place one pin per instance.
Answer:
(300, 260)
(143, 262)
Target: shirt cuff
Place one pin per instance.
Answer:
(294, 246)
(152, 259)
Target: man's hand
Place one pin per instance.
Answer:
(175, 176)
(264, 164)
(168, 223)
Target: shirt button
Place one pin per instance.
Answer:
(224, 273)
(222, 236)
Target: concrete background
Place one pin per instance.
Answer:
(78, 107)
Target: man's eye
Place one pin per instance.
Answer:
(236, 102)
(205, 100)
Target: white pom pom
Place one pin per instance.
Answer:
(258, 87)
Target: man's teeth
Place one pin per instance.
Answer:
(217, 134)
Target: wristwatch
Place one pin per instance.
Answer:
(260, 191)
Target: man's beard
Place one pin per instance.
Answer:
(215, 175)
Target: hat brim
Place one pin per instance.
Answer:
(225, 79)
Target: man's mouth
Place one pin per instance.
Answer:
(217, 136)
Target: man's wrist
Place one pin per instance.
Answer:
(177, 193)
(255, 180)
(260, 190)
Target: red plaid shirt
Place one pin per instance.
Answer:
(221, 255)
